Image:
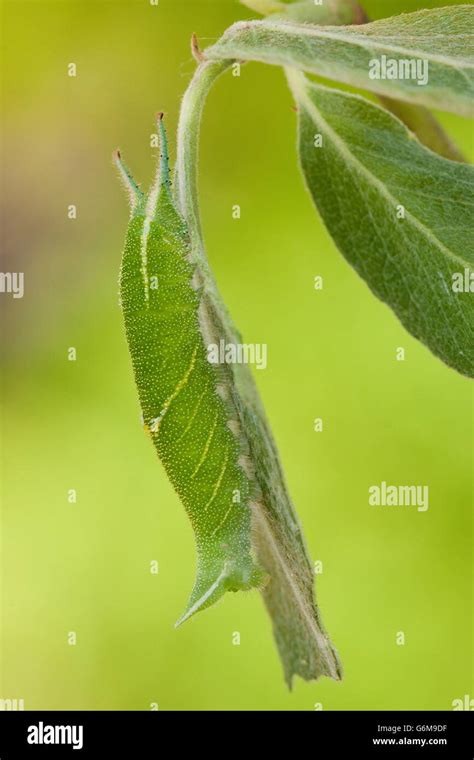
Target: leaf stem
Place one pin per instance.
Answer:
(189, 127)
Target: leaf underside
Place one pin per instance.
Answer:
(443, 37)
(402, 216)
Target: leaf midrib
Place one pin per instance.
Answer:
(324, 645)
(360, 41)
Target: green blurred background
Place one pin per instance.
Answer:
(85, 567)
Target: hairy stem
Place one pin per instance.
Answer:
(189, 127)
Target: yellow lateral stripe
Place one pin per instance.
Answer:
(181, 383)
(191, 419)
(222, 521)
(219, 480)
(157, 422)
(206, 447)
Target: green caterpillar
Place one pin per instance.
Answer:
(209, 428)
(180, 392)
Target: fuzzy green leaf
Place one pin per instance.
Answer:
(402, 216)
(433, 45)
(339, 12)
(208, 427)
